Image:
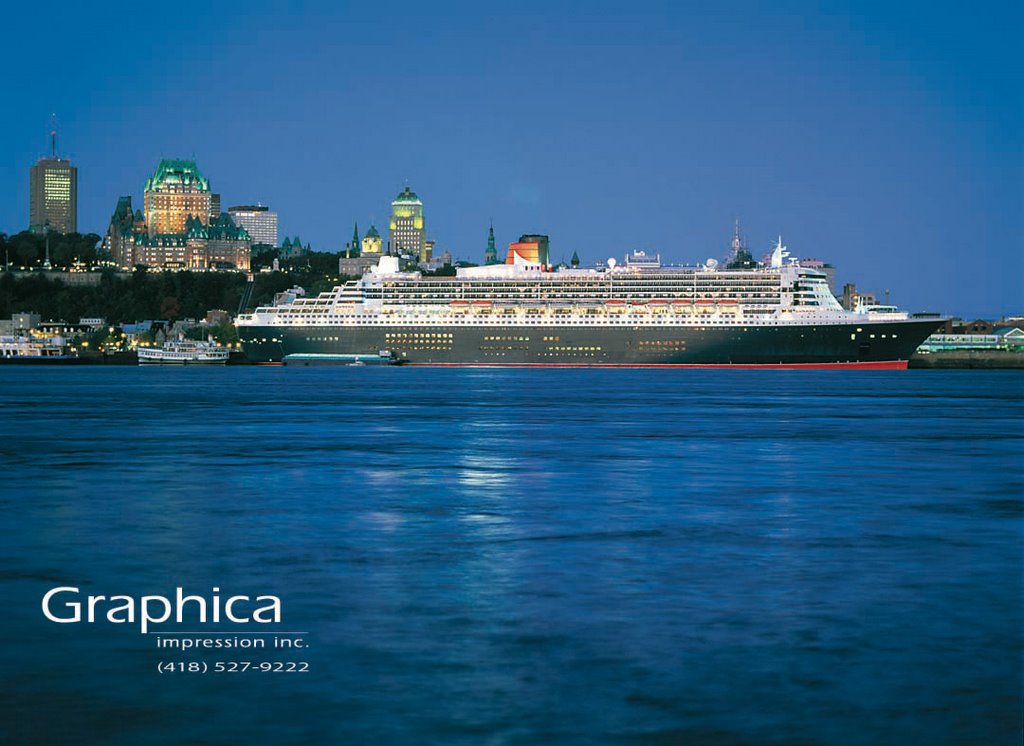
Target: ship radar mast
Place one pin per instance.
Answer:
(779, 255)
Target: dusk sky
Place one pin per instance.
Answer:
(885, 138)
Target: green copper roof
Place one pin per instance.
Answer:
(178, 173)
(408, 195)
(372, 233)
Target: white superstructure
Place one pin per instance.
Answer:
(528, 295)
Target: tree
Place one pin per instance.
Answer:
(170, 308)
(27, 248)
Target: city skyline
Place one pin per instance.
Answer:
(884, 141)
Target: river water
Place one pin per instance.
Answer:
(521, 556)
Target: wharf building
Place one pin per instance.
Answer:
(53, 193)
(181, 226)
(408, 230)
(259, 222)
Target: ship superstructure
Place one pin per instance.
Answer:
(639, 315)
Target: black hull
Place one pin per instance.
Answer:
(54, 360)
(876, 345)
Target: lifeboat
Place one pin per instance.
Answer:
(482, 303)
(615, 302)
(680, 302)
(705, 302)
(459, 305)
(727, 302)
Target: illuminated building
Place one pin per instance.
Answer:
(53, 193)
(182, 227)
(259, 222)
(125, 226)
(373, 244)
(219, 245)
(175, 191)
(529, 249)
(408, 232)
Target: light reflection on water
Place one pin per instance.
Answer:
(526, 556)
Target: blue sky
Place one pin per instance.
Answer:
(882, 137)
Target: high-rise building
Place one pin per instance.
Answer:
(491, 253)
(53, 193)
(258, 221)
(408, 232)
(175, 191)
(373, 244)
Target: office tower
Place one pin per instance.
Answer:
(53, 193)
(258, 221)
(408, 233)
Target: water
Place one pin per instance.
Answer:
(517, 556)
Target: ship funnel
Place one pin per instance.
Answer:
(388, 265)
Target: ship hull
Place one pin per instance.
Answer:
(872, 345)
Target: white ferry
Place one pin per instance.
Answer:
(37, 351)
(184, 352)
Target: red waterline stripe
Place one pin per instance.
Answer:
(881, 365)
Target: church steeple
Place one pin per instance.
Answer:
(491, 254)
(737, 244)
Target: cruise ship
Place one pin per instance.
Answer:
(781, 315)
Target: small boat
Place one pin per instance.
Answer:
(306, 359)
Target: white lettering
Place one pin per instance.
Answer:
(75, 606)
(147, 618)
